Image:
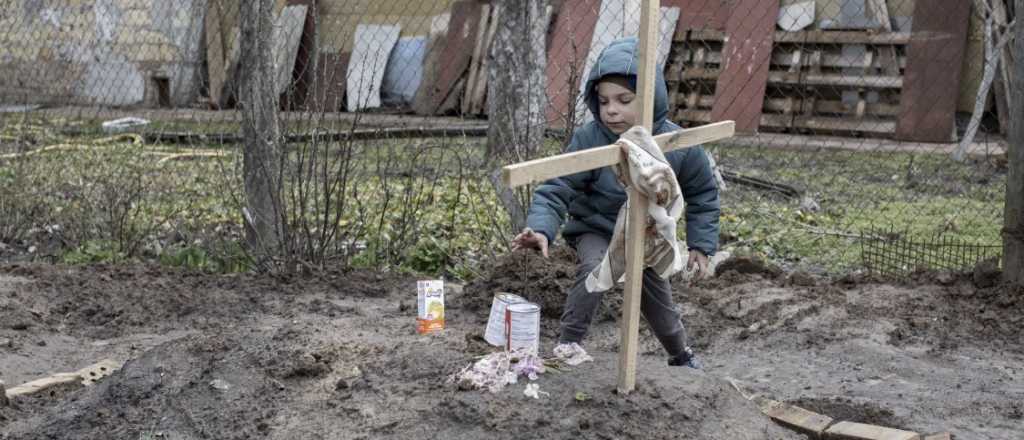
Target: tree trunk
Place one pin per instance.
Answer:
(1013, 230)
(516, 91)
(260, 128)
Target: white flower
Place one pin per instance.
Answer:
(533, 390)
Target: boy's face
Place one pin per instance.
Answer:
(617, 104)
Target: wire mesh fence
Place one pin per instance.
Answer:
(850, 114)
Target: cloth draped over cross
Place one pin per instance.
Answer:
(647, 170)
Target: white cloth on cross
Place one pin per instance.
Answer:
(647, 170)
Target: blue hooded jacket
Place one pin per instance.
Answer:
(592, 198)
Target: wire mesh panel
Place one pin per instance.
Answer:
(851, 114)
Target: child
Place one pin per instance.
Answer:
(593, 198)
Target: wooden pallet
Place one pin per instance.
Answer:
(808, 77)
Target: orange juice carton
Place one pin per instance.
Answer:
(429, 306)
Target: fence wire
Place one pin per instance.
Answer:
(851, 115)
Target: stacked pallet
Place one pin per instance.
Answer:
(815, 82)
(869, 81)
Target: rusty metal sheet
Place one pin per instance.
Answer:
(739, 92)
(935, 57)
(567, 56)
(454, 55)
(700, 14)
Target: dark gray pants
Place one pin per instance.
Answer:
(655, 300)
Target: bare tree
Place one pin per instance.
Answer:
(1013, 226)
(516, 92)
(261, 164)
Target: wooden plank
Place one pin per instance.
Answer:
(824, 123)
(739, 91)
(939, 436)
(454, 54)
(786, 59)
(830, 80)
(567, 57)
(474, 65)
(809, 122)
(934, 64)
(839, 80)
(817, 142)
(86, 376)
(305, 60)
(287, 36)
(637, 203)
(480, 93)
(329, 82)
(93, 373)
(217, 50)
(796, 417)
(1000, 86)
(38, 385)
(539, 170)
(880, 10)
(861, 431)
(818, 37)
(424, 102)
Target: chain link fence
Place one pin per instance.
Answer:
(853, 117)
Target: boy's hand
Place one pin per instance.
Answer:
(698, 258)
(531, 240)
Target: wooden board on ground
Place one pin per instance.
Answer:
(479, 97)
(286, 38)
(366, 66)
(939, 436)
(739, 91)
(934, 64)
(861, 431)
(452, 56)
(570, 43)
(86, 376)
(329, 82)
(475, 63)
(222, 49)
(423, 103)
(796, 417)
(305, 61)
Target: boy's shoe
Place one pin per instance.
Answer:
(686, 358)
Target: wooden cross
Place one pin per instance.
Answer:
(542, 169)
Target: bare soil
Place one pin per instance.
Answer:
(335, 355)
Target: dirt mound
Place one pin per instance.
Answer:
(106, 301)
(336, 355)
(544, 281)
(961, 315)
(749, 265)
(283, 384)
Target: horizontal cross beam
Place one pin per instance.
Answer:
(539, 170)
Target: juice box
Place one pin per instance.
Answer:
(429, 306)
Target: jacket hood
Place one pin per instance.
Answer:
(621, 58)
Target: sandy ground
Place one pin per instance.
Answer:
(336, 356)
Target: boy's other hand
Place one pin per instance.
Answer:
(698, 258)
(531, 240)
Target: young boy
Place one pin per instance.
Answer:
(592, 200)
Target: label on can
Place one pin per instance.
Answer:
(522, 327)
(429, 306)
(495, 332)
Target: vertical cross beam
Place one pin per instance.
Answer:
(636, 221)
